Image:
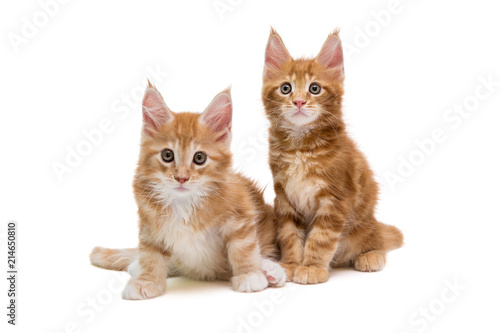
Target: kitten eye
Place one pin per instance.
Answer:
(286, 88)
(167, 155)
(199, 158)
(315, 88)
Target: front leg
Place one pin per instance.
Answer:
(321, 243)
(149, 278)
(244, 255)
(289, 235)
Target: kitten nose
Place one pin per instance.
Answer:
(181, 180)
(299, 102)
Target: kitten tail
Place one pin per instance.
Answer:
(113, 259)
(392, 236)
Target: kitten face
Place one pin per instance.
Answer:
(303, 92)
(186, 164)
(184, 155)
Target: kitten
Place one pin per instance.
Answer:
(197, 217)
(325, 191)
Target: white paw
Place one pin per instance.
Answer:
(249, 282)
(275, 274)
(134, 268)
(140, 289)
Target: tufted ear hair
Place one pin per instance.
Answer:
(276, 54)
(331, 56)
(219, 114)
(155, 113)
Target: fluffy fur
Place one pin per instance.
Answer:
(325, 190)
(202, 221)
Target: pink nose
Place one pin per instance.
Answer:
(182, 180)
(299, 102)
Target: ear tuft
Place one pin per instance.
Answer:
(150, 85)
(331, 55)
(218, 115)
(155, 112)
(276, 53)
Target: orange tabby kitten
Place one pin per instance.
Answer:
(197, 217)
(325, 191)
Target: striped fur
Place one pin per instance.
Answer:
(325, 191)
(214, 224)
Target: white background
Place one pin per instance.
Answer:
(89, 56)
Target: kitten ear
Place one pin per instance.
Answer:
(155, 113)
(276, 53)
(331, 55)
(218, 115)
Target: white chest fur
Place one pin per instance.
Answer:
(300, 188)
(198, 254)
(302, 194)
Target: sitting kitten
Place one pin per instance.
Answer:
(325, 191)
(197, 217)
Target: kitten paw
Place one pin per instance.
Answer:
(310, 275)
(275, 274)
(370, 262)
(289, 269)
(141, 289)
(250, 282)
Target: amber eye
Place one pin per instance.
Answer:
(199, 158)
(167, 155)
(286, 88)
(315, 88)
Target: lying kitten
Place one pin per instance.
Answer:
(325, 191)
(197, 217)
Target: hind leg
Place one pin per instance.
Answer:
(371, 261)
(366, 247)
